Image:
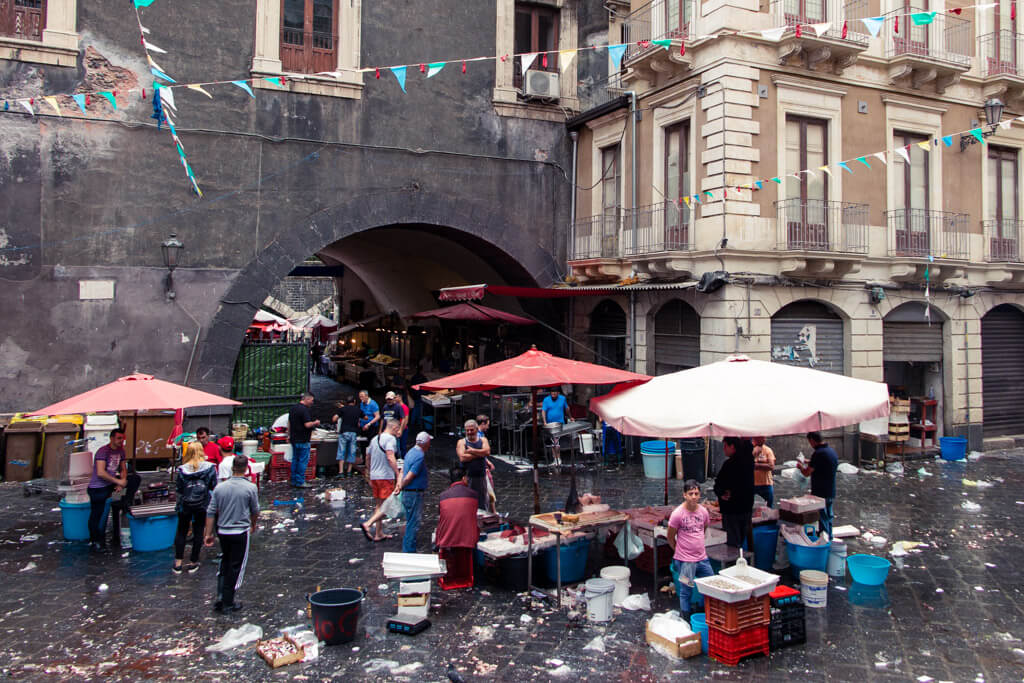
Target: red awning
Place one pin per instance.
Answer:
(476, 292)
(474, 312)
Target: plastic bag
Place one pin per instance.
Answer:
(637, 601)
(392, 507)
(246, 633)
(633, 544)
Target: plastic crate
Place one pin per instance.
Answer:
(733, 617)
(460, 568)
(574, 560)
(729, 649)
(788, 631)
(784, 595)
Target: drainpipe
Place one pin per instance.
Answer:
(633, 176)
(575, 136)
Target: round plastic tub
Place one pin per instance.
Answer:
(655, 462)
(953, 447)
(153, 533)
(75, 519)
(869, 570)
(808, 557)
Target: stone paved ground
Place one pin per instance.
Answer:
(55, 623)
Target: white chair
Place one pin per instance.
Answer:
(589, 446)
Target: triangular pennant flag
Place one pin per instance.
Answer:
(948, 140)
(143, 3)
(774, 34)
(663, 42)
(199, 88)
(902, 151)
(435, 68)
(276, 80)
(825, 170)
(245, 86)
(399, 72)
(925, 145)
(820, 29)
(166, 96)
(153, 48)
(759, 184)
(52, 101)
(109, 96)
(1005, 125)
(873, 25)
(777, 180)
(922, 18)
(978, 136)
(28, 106)
(687, 200)
(864, 161)
(565, 58)
(881, 157)
(526, 61)
(986, 6)
(842, 165)
(160, 74)
(616, 52)
(80, 101)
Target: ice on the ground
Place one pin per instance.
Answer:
(969, 506)
(595, 645)
(28, 538)
(554, 662)
(975, 456)
(525, 619)
(561, 672)
(103, 588)
(235, 637)
(923, 472)
(847, 468)
(28, 567)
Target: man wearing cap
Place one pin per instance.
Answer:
(227, 456)
(413, 486)
(394, 409)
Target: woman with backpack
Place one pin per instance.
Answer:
(195, 481)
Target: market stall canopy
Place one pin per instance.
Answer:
(474, 312)
(532, 369)
(344, 329)
(742, 397)
(136, 392)
(310, 322)
(267, 317)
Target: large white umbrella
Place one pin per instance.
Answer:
(741, 397)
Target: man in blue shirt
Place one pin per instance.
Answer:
(412, 487)
(556, 413)
(822, 471)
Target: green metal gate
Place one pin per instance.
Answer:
(269, 378)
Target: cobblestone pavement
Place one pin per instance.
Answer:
(954, 613)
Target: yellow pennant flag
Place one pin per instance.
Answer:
(52, 101)
(200, 89)
(925, 145)
(687, 200)
(825, 170)
(565, 58)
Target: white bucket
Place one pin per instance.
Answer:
(620, 576)
(284, 450)
(599, 599)
(837, 560)
(814, 588)
(250, 447)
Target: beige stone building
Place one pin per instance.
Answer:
(909, 273)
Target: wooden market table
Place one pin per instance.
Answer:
(586, 521)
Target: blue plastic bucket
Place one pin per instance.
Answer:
(953, 447)
(803, 557)
(75, 519)
(766, 538)
(574, 560)
(869, 570)
(653, 453)
(699, 624)
(153, 533)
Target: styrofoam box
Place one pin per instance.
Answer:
(766, 581)
(739, 593)
(806, 503)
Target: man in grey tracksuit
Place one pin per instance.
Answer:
(234, 506)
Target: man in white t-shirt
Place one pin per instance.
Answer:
(383, 472)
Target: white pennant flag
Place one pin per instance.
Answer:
(902, 151)
(565, 58)
(144, 29)
(153, 48)
(527, 61)
(167, 97)
(774, 34)
(880, 156)
(819, 29)
(1005, 124)
(28, 106)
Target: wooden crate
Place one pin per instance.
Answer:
(278, 660)
(684, 648)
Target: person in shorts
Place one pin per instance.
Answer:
(383, 473)
(347, 418)
(686, 528)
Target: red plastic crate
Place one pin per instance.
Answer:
(281, 470)
(733, 617)
(460, 568)
(730, 648)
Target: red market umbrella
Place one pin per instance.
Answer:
(534, 369)
(473, 312)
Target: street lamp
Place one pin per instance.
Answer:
(171, 249)
(993, 112)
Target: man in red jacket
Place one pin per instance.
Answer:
(456, 525)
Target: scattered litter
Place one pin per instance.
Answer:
(789, 463)
(923, 472)
(355, 560)
(977, 483)
(924, 679)
(845, 531)
(125, 554)
(28, 538)
(894, 468)
(482, 632)
(980, 589)
(382, 587)
(561, 672)
(878, 541)
(486, 594)
(28, 567)
(1007, 637)
(176, 652)
(379, 665)
(406, 669)
(867, 536)
(525, 619)
(1018, 653)
(246, 633)
(939, 590)
(554, 662)
(840, 588)
(847, 468)
(637, 601)
(597, 645)
(103, 588)
(990, 565)
(969, 506)
(974, 456)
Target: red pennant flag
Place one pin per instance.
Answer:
(799, 32)
(143, 93)
(423, 68)
(896, 25)
(32, 100)
(682, 49)
(844, 30)
(544, 60)
(376, 72)
(504, 58)
(88, 101)
(115, 97)
(725, 192)
(957, 10)
(463, 67)
(284, 80)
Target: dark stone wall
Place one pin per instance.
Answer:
(284, 175)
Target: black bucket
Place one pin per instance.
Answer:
(336, 614)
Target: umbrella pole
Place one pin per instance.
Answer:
(666, 471)
(536, 481)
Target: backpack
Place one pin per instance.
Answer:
(196, 489)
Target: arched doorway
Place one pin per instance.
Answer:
(913, 366)
(676, 338)
(809, 334)
(608, 332)
(1002, 370)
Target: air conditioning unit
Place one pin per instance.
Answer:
(542, 84)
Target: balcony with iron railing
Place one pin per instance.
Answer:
(597, 237)
(822, 226)
(832, 46)
(1002, 240)
(657, 20)
(1002, 62)
(662, 227)
(939, 51)
(923, 233)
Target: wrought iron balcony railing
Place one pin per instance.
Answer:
(1002, 240)
(922, 233)
(820, 225)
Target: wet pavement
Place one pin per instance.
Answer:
(955, 612)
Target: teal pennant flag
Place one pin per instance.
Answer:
(245, 86)
(842, 165)
(434, 69)
(616, 52)
(143, 3)
(777, 180)
(80, 101)
(864, 161)
(922, 18)
(276, 80)
(873, 25)
(948, 140)
(759, 184)
(978, 136)
(109, 96)
(160, 74)
(662, 42)
(696, 198)
(399, 72)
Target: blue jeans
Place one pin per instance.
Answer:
(412, 501)
(700, 570)
(416, 414)
(825, 517)
(767, 492)
(347, 447)
(98, 498)
(300, 458)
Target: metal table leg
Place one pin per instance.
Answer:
(558, 565)
(654, 551)
(529, 557)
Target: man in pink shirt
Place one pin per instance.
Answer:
(686, 537)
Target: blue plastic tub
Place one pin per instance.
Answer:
(766, 538)
(699, 624)
(75, 519)
(869, 570)
(574, 561)
(803, 557)
(153, 533)
(653, 453)
(953, 447)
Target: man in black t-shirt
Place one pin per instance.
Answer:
(348, 430)
(822, 471)
(300, 427)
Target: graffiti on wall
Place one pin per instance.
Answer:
(803, 350)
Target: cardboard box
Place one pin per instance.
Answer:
(682, 648)
(276, 660)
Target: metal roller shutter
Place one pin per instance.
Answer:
(912, 341)
(1002, 367)
(676, 337)
(808, 334)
